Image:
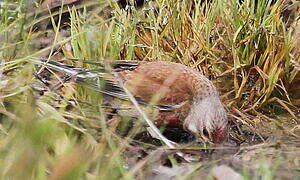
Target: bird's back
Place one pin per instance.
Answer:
(165, 83)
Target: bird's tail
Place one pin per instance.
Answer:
(98, 79)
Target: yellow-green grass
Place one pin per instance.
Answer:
(245, 49)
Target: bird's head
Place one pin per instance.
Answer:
(207, 119)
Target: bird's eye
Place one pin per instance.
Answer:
(205, 133)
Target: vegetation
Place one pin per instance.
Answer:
(60, 130)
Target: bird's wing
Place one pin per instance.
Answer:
(162, 83)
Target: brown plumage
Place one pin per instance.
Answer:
(165, 83)
(184, 96)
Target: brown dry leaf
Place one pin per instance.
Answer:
(176, 172)
(224, 172)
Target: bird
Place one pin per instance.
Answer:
(184, 97)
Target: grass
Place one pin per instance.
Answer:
(61, 131)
